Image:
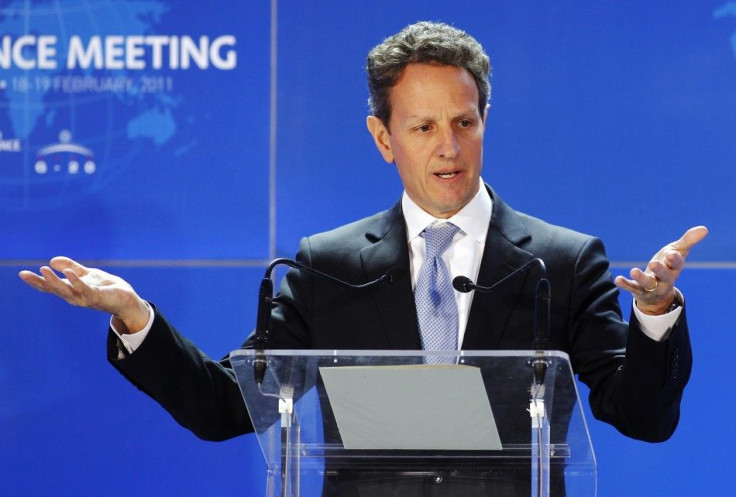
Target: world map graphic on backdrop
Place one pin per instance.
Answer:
(79, 105)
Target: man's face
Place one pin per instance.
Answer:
(436, 136)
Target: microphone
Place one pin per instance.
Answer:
(265, 298)
(464, 284)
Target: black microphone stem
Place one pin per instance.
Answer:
(265, 299)
(263, 323)
(541, 309)
(541, 328)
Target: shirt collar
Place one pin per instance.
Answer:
(473, 219)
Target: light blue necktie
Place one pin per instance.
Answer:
(434, 295)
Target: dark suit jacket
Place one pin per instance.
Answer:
(635, 383)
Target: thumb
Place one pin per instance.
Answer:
(689, 239)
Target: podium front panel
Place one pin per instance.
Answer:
(369, 423)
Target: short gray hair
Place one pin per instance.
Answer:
(423, 43)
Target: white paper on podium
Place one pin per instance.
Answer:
(416, 407)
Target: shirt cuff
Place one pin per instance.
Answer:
(657, 327)
(131, 341)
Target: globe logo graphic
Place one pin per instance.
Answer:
(69, 133)
(65, 156)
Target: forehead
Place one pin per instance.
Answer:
(428, 88)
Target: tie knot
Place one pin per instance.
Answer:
(438, 238)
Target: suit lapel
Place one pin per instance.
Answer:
(490, 312)
(395, 300)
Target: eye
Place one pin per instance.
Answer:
(424, 128)
(465, 123)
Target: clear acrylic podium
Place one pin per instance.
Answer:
(324, 431)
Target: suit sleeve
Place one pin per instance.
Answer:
(200, 393)
(636, 383)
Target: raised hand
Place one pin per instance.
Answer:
(654, 287)
(91, 288)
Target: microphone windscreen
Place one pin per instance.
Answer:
(462, 284)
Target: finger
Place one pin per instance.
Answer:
(32, 279)
(689, 239)
(662, 271)
(83, 292)
(75, 280)
(61, 263)
(631, 286)
(646, 281)
(626, 284)
(83, 288)
(49, 274)
(56, 285)
(674, 260)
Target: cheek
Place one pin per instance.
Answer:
(409, 163)
(407, 174)
(474, 144)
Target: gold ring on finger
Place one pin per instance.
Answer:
(656, 284)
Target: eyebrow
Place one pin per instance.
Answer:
(467, 114)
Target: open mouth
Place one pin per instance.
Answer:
(448, 175)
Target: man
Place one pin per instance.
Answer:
(429, 101)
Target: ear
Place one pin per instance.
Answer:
(381, 137)
(485, 114)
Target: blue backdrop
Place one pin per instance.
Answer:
(183, 144)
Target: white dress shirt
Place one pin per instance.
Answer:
(463, 256)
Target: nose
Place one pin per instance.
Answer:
(449, 148)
